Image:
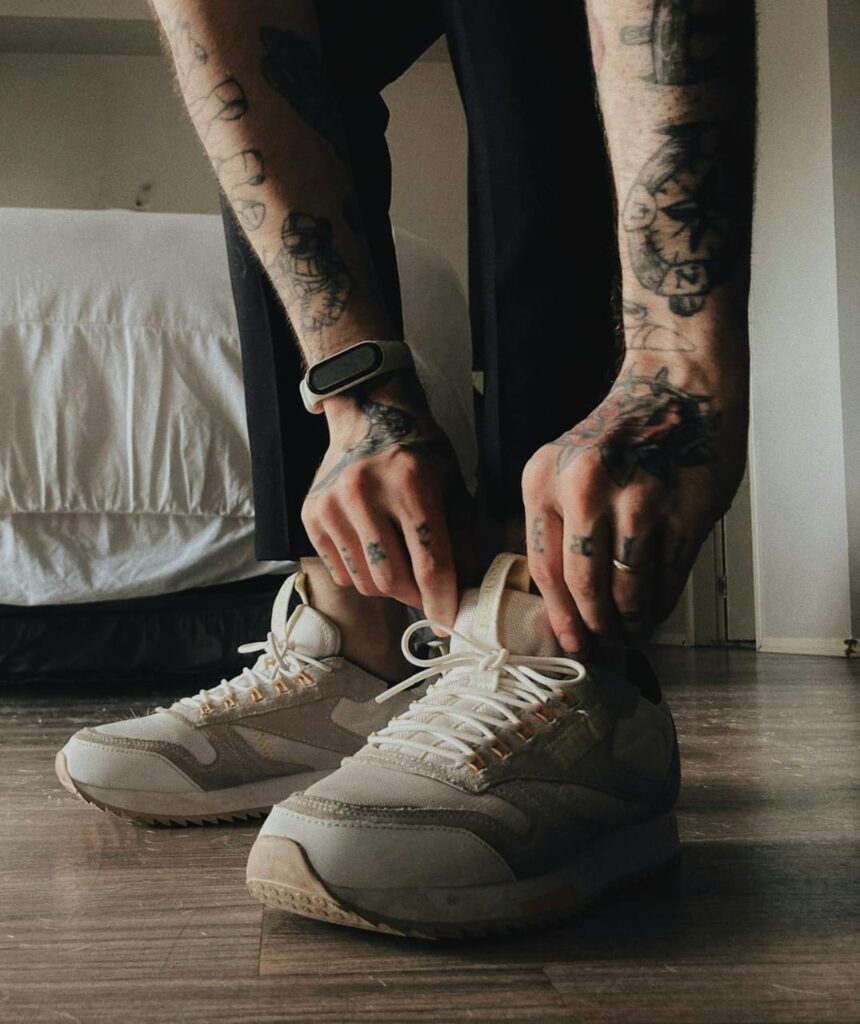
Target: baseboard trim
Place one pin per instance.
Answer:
(670, 639)
(822, 646)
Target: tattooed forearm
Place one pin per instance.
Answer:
(293, 68)
(643, 333)
(314, 276)
(680, 216)
(688, 40)
(388, 426)
(648, 424)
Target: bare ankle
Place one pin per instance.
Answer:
(370, 627)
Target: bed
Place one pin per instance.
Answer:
(126, 509)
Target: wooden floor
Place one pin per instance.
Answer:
(104, 921)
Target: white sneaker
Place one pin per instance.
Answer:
(515, 791)
(234, 750)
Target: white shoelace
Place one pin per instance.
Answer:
(472, 715)
(278, 662)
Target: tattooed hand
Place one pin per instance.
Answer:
(383, 499)
(641, 480)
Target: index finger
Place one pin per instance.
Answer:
(429, 544)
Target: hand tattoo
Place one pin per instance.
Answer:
(681, 213)
(423, 531)
(314, 275)
(293, 68)
(641, 333)
(387, 427)
(648, 424)
(688, 40)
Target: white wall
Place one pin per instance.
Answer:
(799, 497)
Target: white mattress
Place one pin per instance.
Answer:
(124, 468)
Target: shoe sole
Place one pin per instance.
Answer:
(184, 812)
(281, 876)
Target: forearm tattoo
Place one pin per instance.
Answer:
(643, 333)
(239, 173)
(292, 67)
(314, 276)
(648, 424)
(689, 40)
(387, 427)
(537, 535)
(681, 216)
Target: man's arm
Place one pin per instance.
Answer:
(644, 478)
(254, 82)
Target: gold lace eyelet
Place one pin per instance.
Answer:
(568, 699)
(539, 714)
(476, 762)
(524, 731)
(281, 686)
(229, 703)
(500, 750)
(206, 709)
(304, 679)
(255, 695)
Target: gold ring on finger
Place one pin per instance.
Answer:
(636, 570)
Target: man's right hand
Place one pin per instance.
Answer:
(378, 510)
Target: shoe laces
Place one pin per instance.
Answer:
(456, 715)
(279, 668)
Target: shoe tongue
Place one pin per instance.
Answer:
(519, 624)
(295, 621)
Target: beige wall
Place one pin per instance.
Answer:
(93, 132)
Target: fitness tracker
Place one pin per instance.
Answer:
(350, 367)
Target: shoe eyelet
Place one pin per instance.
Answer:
(500, 750)
(304, 679)
(281, 686)
(476, 762)
(255, 695)
(229, 703)
(524, 731)
(206, 709)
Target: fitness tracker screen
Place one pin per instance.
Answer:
(343, 368)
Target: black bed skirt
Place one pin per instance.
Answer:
(189, 637)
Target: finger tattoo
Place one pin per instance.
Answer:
(582, 544)
(375, 554)
(423, 531)
(537, 535)
(347, 561)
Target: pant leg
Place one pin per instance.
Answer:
(543, 258)
(365, 47)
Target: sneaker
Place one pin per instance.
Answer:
(234, 750)
(518, 789)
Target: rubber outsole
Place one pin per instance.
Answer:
(307, 896)
(138, 818)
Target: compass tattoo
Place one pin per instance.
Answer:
(689, 40)
(680, 216)
(648, 424)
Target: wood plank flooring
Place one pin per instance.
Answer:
(102, 921)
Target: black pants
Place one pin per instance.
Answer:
(543, 260)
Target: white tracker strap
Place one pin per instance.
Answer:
(396, 355)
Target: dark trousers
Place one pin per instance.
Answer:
(543, 259)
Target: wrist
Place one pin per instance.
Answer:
(399, 388)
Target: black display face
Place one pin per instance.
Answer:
(343, 368)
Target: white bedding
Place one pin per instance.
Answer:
(124, 466)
